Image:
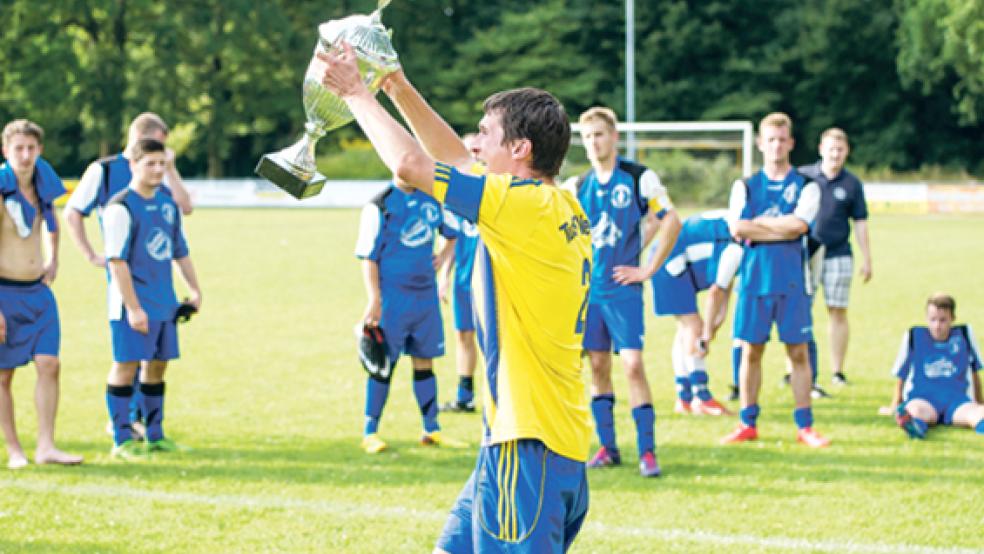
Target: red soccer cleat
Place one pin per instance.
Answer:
(605, 458)
(648, 466)
(811, 438)
(681, 406)
(710, 407)
(742, 433)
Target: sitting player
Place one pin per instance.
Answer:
(937, 369)
(705, 257)
(396, 246)
(142, 226)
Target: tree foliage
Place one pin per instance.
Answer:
(905, 78)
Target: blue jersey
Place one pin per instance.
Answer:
(397, 231)
(703, 239)
(938, 368)
(101, 182)
(146, 234)
(466, 234)
(616, 209)
(774, 267)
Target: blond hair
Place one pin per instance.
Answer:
(145, 124)
(599, 113)
(835, 133)
(776, 119)
(22, 127)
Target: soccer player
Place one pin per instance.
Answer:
(29, 327)
(705, 257)
(462, 261)
(396, 246)
(142, 228)
(529, 491)
(938, 373)
(102, 180)
(617, 195)
(841, 200)
(772, 210)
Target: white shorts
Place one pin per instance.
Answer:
(836, 279)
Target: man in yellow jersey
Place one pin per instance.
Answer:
(529, 491)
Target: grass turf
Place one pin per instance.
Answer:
(270, 396)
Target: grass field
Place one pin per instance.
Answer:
(270, 396)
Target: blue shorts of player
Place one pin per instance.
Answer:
(32, 322)
(614, 325)
(945, 404)
(160, 343)
(674, 295)
(411, 323)
(521, 498)
(791, 313)
(464, 316)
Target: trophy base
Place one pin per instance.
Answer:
(274, 169)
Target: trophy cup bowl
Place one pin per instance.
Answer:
(293, 169)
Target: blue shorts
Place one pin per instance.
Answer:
(411, 324)
(32, 322)
(945, 404)
(674, 295)
(791, 313)
(464, 316)
(161, 343)
(534, 501)
(615, 324)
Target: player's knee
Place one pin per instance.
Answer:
(837, 315)
(6, 378)
(48, 366)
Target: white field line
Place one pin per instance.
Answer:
(356, 509)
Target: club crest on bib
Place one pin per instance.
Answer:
(416, 233)
(621, 196)
(167, 212)
(431, 213)
(840, 193)
(940, 368)
(159, 245)
(789, 195)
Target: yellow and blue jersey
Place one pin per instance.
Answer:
(530, 281)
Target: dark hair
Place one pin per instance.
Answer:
(145, 146)
(943, 301)
(535, 115)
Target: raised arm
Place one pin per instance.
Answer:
(176, 184)
(438, 139)
(399, 151)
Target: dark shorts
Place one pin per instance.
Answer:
(33, 327)
(522, 497)
(674, 295)
(614, 325)
(945, 404)
(754, 316)
(161, 343)
(412, 324)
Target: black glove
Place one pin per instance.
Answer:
(184, 312)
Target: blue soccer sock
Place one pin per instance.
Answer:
(425, 389)
(698, 378)
(602, 407)
(645, 420)
(736, 365)
(749, 415)
(683, 388)
(136, 401)
(811, 348)
(466, 389)
(118, 404)
(376, 394)
(980, 427)
(152, 406)
(803, 417)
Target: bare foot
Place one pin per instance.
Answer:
(17, 461)
(55, 456)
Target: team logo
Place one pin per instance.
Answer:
(840, 193)
(416, 233)
(431, 213)
(469, 229)
(954, 346)
(167, 212)
(621, 196)
(159, 245)
(789, 195)
(940, 368)
(605, 233)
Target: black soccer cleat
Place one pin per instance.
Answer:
(839, 378)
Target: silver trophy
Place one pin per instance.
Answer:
(293, 168)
